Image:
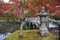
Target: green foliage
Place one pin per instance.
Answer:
(31, 35)
(54, 17)
(34, 1)
(29, 14)
(25, 6)
(1, 18)
(11, 9)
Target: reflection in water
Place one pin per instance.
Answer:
(2, 36)
(53, 28)
(7, 28)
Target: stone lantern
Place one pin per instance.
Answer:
(43, 19)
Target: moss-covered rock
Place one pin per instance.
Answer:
(31, 35)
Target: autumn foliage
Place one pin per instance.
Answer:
(34, 6)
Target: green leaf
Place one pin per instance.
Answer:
(25, 6)
(29, 14)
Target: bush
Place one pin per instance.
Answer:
(54, 17)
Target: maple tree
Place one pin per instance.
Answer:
(51, 6)
(34, 5)
(6, 11)
(12, 11)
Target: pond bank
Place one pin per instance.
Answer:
(31, 35)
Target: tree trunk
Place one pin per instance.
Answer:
(21, 29)
(21, 26)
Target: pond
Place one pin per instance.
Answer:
(54, 28)
(2, 36)
(7, 28)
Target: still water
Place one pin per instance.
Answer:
(8, 28)
(2, 36)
